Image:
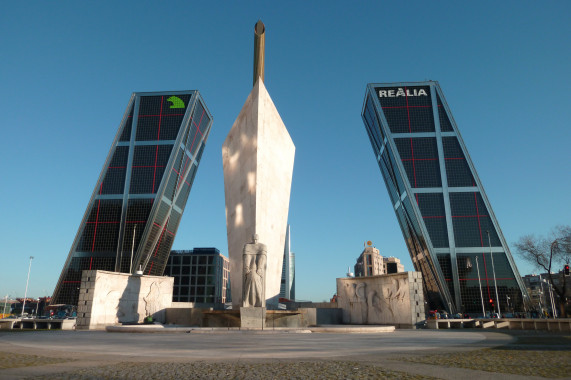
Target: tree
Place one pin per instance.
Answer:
(549, 252)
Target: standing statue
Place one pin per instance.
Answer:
(254, 259)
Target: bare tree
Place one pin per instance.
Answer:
(547, 253)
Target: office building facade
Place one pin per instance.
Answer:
(392, 265)
(445, 216)
(287, 285)
(201, 275)
(133, 215)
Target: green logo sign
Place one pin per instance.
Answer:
(176, 102)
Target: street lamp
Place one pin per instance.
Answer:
(26, 292)
(469, 266)
(5, 303)
(132, 249)
(494, 273)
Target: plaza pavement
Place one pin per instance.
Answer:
(400, 354)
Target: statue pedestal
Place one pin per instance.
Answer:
(252, 318)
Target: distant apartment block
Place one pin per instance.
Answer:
(371, 263)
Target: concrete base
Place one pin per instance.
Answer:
(37, 323)
(253, 317)
(246, 318)
(185, 316)
(335, 329)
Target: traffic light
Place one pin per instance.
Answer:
(566, 269)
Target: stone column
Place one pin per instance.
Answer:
(257, 156)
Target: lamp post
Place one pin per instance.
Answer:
(480, 284)
(469, 266)
(549, 291)
(132, 249)
(26, 292)
(542, 295)
(5, 303)
(494, 273)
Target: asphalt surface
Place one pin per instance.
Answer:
(403, 354)
(241, 345)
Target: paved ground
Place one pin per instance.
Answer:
(404, 354)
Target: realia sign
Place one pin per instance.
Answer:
(402, 92)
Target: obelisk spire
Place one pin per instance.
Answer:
(259, 48)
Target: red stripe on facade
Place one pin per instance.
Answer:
(197, 129)
(180, 176)
(482, 243)
(157, 150)
(475, 279)
(478, 216)
(199, 122)
(96, 221)
(150, 166)
(431, 159)
(387, 107)
(159, 244)
(161, 115)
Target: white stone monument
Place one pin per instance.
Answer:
(390, 299)
(257, 156)
(111, 298)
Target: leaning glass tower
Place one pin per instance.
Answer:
(446, 219)
(136, 206)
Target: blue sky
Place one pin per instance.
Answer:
(68, 69)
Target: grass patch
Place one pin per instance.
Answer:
(551, 364)
(12, 360)
(239, 370)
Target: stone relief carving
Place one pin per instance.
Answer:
(254, 258)
(152, 299)
(374, 301)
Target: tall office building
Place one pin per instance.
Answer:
(443, 211)
(135, 209)
(200, 275)
(287, 285)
